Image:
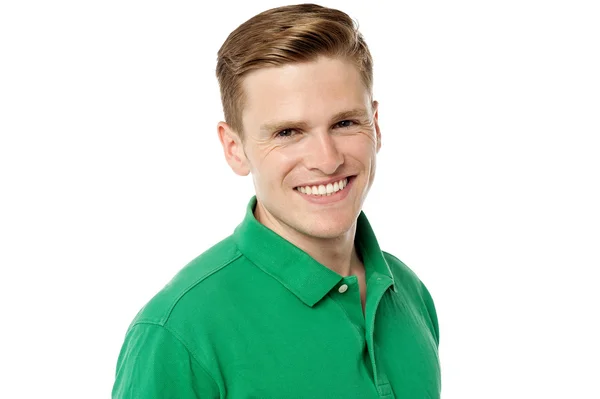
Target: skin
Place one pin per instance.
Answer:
(295, 135)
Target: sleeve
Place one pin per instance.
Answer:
(154, 363)
(432, 313)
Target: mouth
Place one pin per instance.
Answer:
(327, 190)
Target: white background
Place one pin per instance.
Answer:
(112, 179)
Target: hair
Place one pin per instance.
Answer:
(286, 35)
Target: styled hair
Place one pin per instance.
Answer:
(286, 35)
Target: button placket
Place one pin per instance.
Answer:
(348, 298)
(376, 288)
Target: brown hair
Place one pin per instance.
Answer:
(285, 35)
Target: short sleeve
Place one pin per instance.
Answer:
(153, 363)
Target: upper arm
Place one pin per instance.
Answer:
(154, 363)
(432, 313)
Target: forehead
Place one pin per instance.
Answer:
(310, 91)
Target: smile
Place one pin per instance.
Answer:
(324, 190)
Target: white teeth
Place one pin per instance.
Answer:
(328, 189)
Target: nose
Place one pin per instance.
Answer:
(323, 154)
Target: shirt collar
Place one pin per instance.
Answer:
(309, 280)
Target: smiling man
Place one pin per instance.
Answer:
(300, 301)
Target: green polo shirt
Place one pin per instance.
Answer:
(256, 317)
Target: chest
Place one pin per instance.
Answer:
(332, 350)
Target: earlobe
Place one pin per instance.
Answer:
(233, 149)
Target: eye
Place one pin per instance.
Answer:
(345, 123)
(285, 133)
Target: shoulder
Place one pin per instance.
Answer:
(403, 274)
(195, 282)
(410, 284)
(405, 277)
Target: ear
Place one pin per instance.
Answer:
(233, 149)
(376, 123)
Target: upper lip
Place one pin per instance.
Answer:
(325, 182)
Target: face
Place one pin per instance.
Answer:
(311, 136)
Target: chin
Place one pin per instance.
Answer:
(327, 230)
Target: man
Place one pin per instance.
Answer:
(299, 302)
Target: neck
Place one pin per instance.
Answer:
(338, 254)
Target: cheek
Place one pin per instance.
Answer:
(273, 167)
(361, 147)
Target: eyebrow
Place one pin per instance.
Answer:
(358, 113)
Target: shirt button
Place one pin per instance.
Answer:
(343, 288)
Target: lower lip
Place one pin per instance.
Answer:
(328, 199)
